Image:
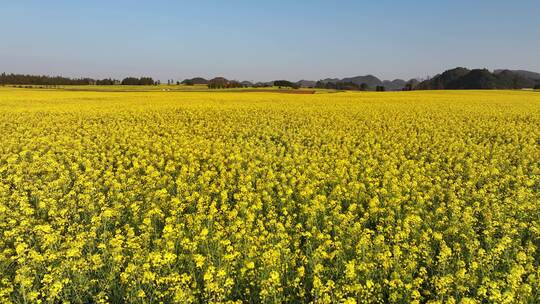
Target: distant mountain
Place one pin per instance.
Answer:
(394, 85)
(413, 82)
(306, 83)
(196, 80)
(459, 78)
(475, 79)
(263, 84)
(371, 81)
(442, 81)
(517, 80)
(454, 79)
(480, 79)
(333, 80)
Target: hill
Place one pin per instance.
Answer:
(371, 81)
(394, 85)
(306, 83)
(442, 81)
(523, 73)
(196, 80)
(479, 79)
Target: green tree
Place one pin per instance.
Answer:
(364, 87)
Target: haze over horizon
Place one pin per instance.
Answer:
(266, 41)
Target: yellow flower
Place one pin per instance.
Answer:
(199, 260)
(342, 197)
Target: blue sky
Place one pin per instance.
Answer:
(266, 40)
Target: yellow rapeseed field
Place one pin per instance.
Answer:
(194, 197)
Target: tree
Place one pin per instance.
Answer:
(194, 81)
(20, 79)
(218, 83)
(222, 83)
(537, 87)
(138, 81)
(146, 81)
(261, 85)
(286, 83)
(380, 89)
(130, 81)
(108, 81)
(234, 84)
(364, 87)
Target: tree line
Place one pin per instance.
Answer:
(286, 83)
(223, 83)
(138, 81)
(22, 79)
(350, 86)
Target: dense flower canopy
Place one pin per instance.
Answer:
(262, 197)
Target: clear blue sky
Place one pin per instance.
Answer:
(266, 40)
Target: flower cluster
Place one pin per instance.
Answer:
(161, 197)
